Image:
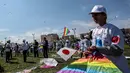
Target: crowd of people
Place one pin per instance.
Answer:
(45, 46)
(105, 40)
(25, 49)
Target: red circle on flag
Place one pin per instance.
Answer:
(115, 39)
(65, 51)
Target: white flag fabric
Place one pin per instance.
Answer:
(66, 53)
(50, 61)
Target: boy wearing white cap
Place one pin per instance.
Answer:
(108, 39)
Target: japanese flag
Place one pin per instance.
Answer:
(115, 39)
(66, 53)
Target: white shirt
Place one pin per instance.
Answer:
(58, 44)
(25, 46)
(67, 44)
(8, 47)
(102, 36)
(84, 43)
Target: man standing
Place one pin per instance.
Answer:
(28, 46)
(58, 45)
(25, 48)
(7, 51)
(45, 48)
(35, 46)
(108, 39)
(16, 48)
(1, 50)
(84, 44)
(67, 43)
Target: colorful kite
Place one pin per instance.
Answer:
(88, 65)
(66, 31)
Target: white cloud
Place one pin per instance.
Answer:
(4, 30)
(82, 26)
(124, 23)
(84, 23)
(29, 37)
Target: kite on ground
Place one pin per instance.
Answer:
(90, 65)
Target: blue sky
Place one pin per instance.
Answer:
(20, 18)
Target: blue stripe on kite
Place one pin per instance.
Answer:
(79, 70)
(91, 70)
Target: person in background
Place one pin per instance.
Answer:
(84, 44)
(87, 40)
(35, 46)
(50, 46)
(62, 42)
(11, 51)
(1, 50)
(7, 51)
(28, 46)
(58, 44)
(25, 48)
(77, 45)
(16, 48)
(31, 48)
(107, 39)
(45, 46)
(67, 44)
(54, 46)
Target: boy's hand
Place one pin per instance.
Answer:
(92, 48)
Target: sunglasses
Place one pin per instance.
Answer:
(96, 14)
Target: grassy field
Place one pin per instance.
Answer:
(17, 63)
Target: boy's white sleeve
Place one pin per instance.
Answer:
(117, 37)
(117, 43)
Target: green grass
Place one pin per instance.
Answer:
(18, 64)
(127, 50)
(53, 70)
(126, 46)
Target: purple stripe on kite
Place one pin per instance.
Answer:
(90, 69)
(69, 71)
(86, 68)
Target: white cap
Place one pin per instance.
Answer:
(98, 9)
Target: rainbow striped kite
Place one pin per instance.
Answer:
(87, 65)
(66, 31)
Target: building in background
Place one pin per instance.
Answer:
(50, 37)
